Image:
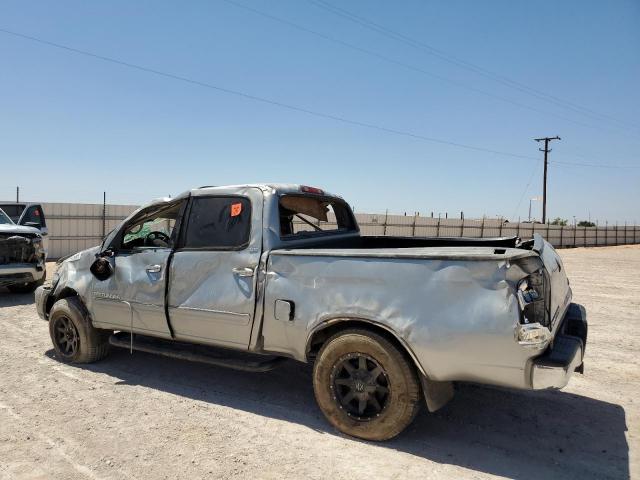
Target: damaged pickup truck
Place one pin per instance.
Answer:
(269, 272)
(22, 256)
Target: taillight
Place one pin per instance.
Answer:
(534, 336)
(533, 331)
(314, 190)
(531, 298)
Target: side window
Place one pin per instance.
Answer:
(34, 215)
(219, 223)
(153, 228)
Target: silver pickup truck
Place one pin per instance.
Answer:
(269, 272)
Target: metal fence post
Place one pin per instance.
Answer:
(482, 228)
(438, 227)
(606, 233)
(501, 223)
(518, 229)
(585, 236)
(413, 230)
(575, 229)
(462, 226)
(104, 214)
(547, 237)
(384, 230)
(616, 227)
(561, 233)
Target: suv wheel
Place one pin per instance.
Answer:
(365, 386)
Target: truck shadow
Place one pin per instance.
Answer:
(9, 299)
(525, 435)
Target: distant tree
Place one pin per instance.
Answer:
(559, 221)
(585, 223)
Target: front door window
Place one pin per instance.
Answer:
(152, 229)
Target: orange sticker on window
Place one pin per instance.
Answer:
(236, 209)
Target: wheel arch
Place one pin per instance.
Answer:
(436, 393)
(322, 332)
(65, 292)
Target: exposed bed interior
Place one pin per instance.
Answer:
(327, 222)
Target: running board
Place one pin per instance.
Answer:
(248, 362)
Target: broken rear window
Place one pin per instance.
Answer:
(304, 215)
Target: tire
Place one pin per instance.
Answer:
(26, 287)
(74, 339)
(340, 394)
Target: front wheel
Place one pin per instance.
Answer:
(74, 339)
(365, 386)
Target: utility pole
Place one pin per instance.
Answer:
(546, 151)
(17, 194)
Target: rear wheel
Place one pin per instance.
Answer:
(365, 386)
(74, 339)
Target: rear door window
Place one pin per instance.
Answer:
(218, 223)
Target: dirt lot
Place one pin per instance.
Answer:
(142, 416)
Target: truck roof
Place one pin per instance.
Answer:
(271, 187)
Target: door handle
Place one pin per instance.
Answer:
(154, 268)
(243, 271)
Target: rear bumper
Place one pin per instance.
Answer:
(554, 368)
(20, 273)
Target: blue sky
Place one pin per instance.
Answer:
(72, 126)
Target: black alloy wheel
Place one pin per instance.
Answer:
(66, 338)
(360, 386)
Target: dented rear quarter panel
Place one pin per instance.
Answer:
(454, 308)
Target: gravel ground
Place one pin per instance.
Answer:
(141, 416)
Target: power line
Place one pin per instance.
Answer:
(402, 64)
(597, 165)
(526, 189)
(265, 100)
(341, 12)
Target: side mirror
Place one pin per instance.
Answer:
(109, 252)
(101, 269)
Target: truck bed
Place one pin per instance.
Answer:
(411, 247)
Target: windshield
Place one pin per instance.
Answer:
(13, 211)
(4, 218)
(305, 215)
